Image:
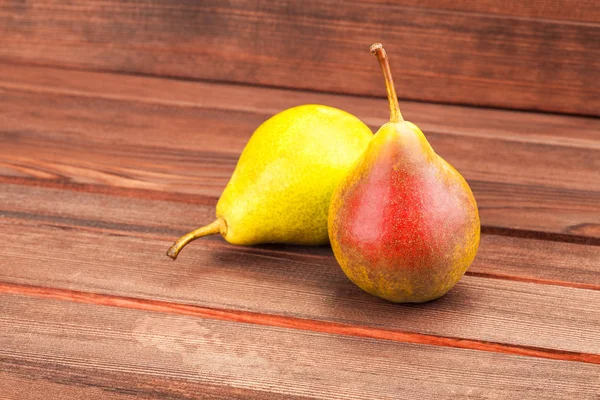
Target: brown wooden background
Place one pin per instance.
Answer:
(121, 122)
(535, 55)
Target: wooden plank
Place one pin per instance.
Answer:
(26, 378)
(27, 382)
(526, 176)
(437, 118)
(442, 55)
(571, 10)
(312, 286)
(141, 214)
(90, 342)
(531, 260)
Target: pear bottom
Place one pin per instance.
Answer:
(404, 282)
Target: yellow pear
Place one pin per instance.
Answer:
(281, 187)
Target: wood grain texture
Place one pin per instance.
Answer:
(89, 343)
(514, 57)
(142, 215)
(279, 321)
(100, 172)
(307, 286)
(30, 378)
(528, 171)
(25, 382)
(516, 125)
(571, 10)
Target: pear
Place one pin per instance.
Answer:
(281, 187)
(403, 223)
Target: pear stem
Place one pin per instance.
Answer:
(379, 52)
(218, 226)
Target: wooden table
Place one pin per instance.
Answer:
(101, 171)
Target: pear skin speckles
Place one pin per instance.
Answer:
(281, 187)
(403, 224)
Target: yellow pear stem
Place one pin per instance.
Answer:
(379, 52)
(218, 226)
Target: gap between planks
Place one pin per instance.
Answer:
(280, 321)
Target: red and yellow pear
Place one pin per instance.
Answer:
(403, 223)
